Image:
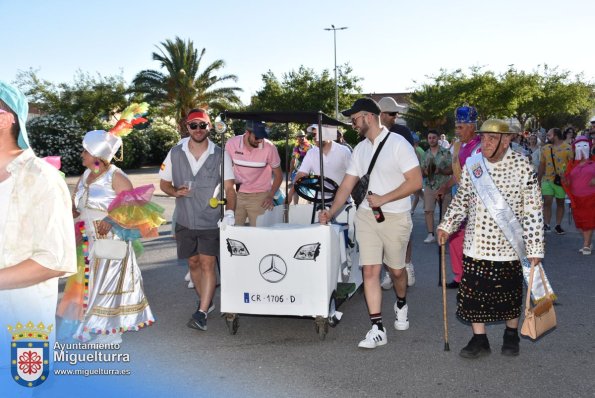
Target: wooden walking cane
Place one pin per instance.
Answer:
(443, 268)
(440, 273)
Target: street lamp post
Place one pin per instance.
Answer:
(336, 82)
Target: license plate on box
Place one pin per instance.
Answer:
(267, 298)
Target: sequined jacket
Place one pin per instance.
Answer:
(516, 180)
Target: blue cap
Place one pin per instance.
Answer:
(15, 99)
(257, 128)
(466, 114)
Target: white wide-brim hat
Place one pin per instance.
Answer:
(102, 144)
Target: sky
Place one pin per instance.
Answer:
(392, 45)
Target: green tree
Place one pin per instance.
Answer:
(89, 100)
(545, 95)
(182, 86)
(306, 90)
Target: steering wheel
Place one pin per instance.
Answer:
(309, 188)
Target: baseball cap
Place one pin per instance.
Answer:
(312, 126)
(257, 128)
(363, 105)
(198, 115)
(15, 99)
(388, 104)
(300, 134)
(592, 120)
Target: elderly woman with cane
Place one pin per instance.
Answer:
(500, 196)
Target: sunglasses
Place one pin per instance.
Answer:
(391, 113)
(196, 126)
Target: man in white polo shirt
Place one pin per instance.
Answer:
(255, 160)
(395, 176)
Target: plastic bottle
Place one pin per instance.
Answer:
(378, 214)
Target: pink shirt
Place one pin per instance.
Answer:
(252, 167)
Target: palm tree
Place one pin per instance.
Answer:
(182, 87)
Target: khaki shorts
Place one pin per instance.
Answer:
(249, 205)
(431, 198)
(384, 242)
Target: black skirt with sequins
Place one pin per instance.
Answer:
(490, 291)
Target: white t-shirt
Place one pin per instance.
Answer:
(335, 162)
(6, 187)
(165, 173)
(395, 158)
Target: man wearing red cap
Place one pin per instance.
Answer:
(255, 159)
(191, 173)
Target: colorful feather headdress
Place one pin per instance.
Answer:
(104, 144)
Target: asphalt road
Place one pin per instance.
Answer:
(278, 356)
(283, 357)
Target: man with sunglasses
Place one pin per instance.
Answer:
(255, 160)
(395, 176)
(389, 110)
(191, 173)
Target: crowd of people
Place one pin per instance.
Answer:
(93, 236)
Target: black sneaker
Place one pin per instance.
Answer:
(477, 347)
(452, 285)
(559, 230)
(510, 345)
(198, 321)
(547, 228)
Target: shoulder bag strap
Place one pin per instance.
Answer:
(376, 153)
(530, 285)
(553, 161)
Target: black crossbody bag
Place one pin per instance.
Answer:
(360, 190)
(557, 178)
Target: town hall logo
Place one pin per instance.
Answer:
(477, 170)
(29, 353)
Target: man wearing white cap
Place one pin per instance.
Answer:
(390, 109)
(37, 244)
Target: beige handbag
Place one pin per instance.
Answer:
(542, 317)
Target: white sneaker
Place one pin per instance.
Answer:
(374, 338)
(402, 322)
(187, 277)
(410, 274)
(387, 282)
(430, 238)
(190, 285)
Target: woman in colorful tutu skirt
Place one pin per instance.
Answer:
(106, 297)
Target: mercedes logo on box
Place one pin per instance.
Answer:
(272, 268)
